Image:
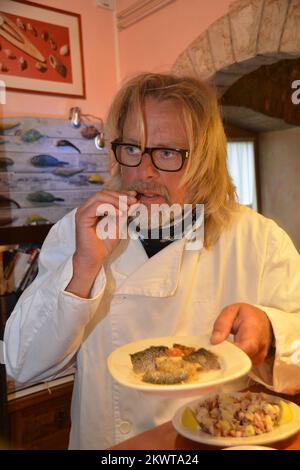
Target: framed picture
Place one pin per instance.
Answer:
(41, 49)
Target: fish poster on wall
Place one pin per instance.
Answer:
(47, 168)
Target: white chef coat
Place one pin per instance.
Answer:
(175, 292)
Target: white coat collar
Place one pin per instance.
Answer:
(136, 274)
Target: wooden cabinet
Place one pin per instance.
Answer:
(41, 420)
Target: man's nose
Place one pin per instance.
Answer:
(146, 167)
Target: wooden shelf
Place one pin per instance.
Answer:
(27, 234)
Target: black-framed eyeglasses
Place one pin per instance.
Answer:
(164, 159)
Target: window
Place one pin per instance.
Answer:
(241, 166)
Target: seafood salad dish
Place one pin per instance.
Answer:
(237, 415)
(173, 365)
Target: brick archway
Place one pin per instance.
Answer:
(251, 34)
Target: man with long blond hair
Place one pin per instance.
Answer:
(95, 292)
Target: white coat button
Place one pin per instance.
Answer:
(125, 427)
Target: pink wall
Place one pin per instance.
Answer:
(154, 43)
(100, 68)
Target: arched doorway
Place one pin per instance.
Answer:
(243, 53)
(251, 34)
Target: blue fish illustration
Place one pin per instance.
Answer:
(67, 143)
(46, 160)
(31, 136)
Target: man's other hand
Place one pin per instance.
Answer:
(251, 328)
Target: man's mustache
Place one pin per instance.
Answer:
(141, 186)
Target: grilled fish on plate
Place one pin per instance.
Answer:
(163, 365)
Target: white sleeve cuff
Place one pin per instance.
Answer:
(99, 284)
(284, 376)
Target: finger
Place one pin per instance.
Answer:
(108, 195)
(118, 192)
(223, 324)
(91, 205)
(255, 348)
(249, 346)
(123, 197)
(258, 359)
(257, 355)
(134, 208)
(110, 227)
(108, 209)
(123, 192)
(250, 333)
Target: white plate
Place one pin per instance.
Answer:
(249, 448)
(278, 434)
(234, 364)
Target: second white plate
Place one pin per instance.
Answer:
(278, 434)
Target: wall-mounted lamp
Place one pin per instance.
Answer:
(76, 118)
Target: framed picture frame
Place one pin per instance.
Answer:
(41, 49)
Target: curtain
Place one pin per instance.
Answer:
(241, 166)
